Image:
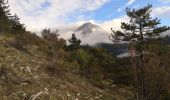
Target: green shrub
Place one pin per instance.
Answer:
(3, 72)
(50, 67)
(165, 97)
(60, 67)
(82, 57)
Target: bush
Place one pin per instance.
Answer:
(122, 73)
(81, 56)
(165, 97)
(51, 68)
(60, 67)
(88, 67)
(3, 72)
(97, 64)
(19, 42)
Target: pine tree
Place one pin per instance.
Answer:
(141, 31)
(74, 42)
(15, 24)
(9, 23)
(4, 14)
(141, 25)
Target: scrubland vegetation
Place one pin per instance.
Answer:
(46, 68)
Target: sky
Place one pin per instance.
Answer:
(40, 14)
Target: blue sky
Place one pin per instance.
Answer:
(111, 10)
(39, 14)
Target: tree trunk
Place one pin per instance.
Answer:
(141, 78)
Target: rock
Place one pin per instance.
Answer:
(113, 85)
(78, 94)
(27, 69)
(36, 77)
(5, 97)
(45, 90)
(38, 66)
(97, 97)
(68, 94)
(24, 83)
(100, 95)
(24, 94)
(91, 99)
(76, 99)
(12, 65)
(21, 68)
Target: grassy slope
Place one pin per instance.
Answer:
(22, 77)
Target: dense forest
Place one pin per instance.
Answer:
(45, 67)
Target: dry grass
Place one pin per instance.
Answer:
(22, 77)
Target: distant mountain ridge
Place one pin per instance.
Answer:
(167, 33)
(115, 49)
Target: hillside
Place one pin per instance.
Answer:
(22, 77)
(82, 61)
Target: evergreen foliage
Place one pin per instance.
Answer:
(9, 23)
(48, 67)
(143, 34)
(141, 27)
(74, 42)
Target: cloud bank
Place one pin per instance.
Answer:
(68, 14)
(163, 12)
(130, 2)
(38, 14)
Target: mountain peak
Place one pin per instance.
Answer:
(88, 28)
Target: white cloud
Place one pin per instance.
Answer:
(114, 23)
(101, 36)
(105, 25)
(165, 1)
(91, 39)
(163, 12)
(34, 16)
(130, 2)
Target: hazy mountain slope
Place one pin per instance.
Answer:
(115, 49)
(167, 33)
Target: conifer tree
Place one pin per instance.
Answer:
(141, 31)
(141, 26)
(15, 24)
(74, 42)
(4, 14)
(9, 23)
